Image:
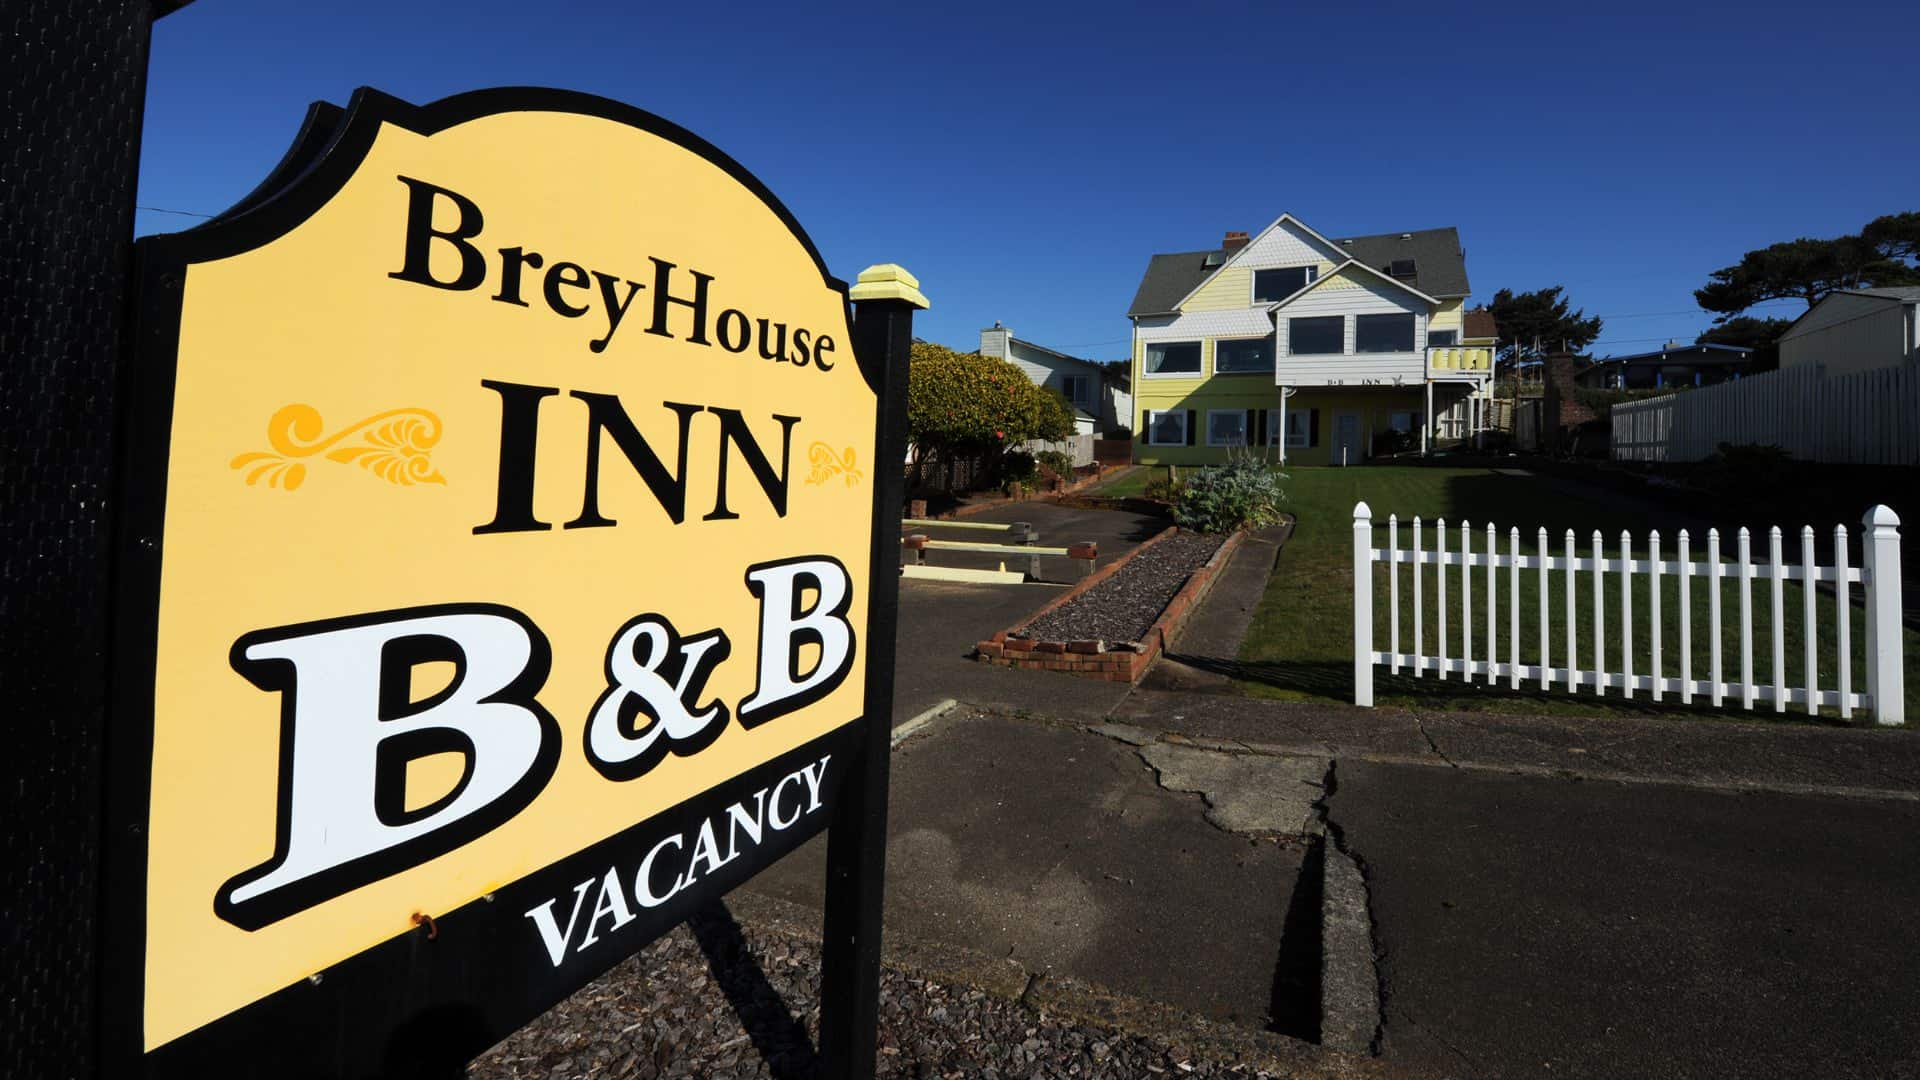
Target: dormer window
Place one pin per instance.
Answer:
(1281, 282)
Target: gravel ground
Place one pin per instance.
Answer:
(1123, 607)
(714, 1000)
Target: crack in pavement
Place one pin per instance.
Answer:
(1472, 1065)
(1337, 837)
(1431, 745)
(1243, 793)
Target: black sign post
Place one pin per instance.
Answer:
(857, 838)
(73, 76)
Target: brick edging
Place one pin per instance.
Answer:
(1094, 659)
(1174, 615)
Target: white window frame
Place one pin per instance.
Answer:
(1245, 435)
(1066, 389)
(1346, 334)
(1197, 373)
(1253, 281)
(1448, 345)
(1152, 428)
(1304, 439)
(1414, 316)
(1268, 370)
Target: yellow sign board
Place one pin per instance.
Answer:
(506, 522)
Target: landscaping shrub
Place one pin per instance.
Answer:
(1240, 494)
(1059, 461)
(1018, 472)
(964, 405)
(1163, 488)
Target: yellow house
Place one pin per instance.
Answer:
(1330, 351)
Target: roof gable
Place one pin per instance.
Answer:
(1440, 269)
(1056, 354)
(1355, 273)
(1826, 313)
(1256, 249)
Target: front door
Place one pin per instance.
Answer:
(1347, 448)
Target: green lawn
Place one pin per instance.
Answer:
(1299, 646)
(1128, 484)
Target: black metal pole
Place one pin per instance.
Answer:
(73, 77)
(857, 835)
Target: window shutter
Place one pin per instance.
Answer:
(1313, 427)
(1256, 427)
(1190, 427)
(1146, 426)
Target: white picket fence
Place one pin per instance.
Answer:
(1866, 418)
(1879, 576)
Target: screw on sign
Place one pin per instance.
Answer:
(502, 592)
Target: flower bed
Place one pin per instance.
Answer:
(1114, 624)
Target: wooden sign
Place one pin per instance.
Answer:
(498, 580)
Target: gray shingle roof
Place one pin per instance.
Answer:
(1169, 279)
(1440, 267)
(1893, 292)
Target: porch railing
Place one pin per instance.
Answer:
(1459, 360)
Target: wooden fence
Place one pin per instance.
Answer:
(1879, 576)
(1077, 447)
(1866, 418)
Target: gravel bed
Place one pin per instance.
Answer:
(1123, 607)
(714, 1000)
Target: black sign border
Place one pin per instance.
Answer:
(278, 1035)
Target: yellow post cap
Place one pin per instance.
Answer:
(888, 281)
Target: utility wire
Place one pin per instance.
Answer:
(164, 210)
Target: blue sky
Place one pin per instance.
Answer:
(1025, 160)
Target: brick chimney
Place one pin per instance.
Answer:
(1234, 242)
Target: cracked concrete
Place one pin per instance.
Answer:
(1040, 843)
(1245, 793)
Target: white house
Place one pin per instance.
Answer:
(1099, 404)
(1855, 330)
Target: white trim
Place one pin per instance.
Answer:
(1150, 414)
(1271, 359)
(1245, 435)
(1197, 373)
(1357, 316)
(1336, 271)
(1341, 351)
(1253, 282)
(1305, 440)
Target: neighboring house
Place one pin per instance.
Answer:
(1099, 405)
(1675, 365)
(1324, 349)
(1855, 330)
